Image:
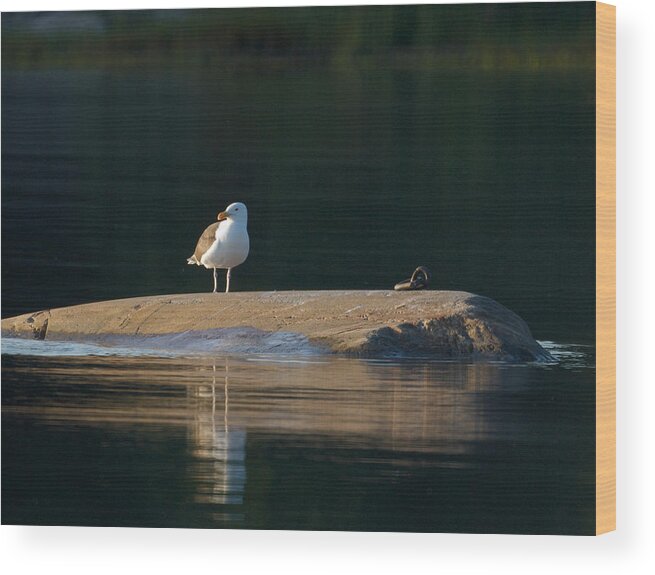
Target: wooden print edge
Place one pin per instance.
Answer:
(605, 268)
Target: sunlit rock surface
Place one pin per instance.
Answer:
(436, 324)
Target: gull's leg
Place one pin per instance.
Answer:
(215, 281)
(227, 281)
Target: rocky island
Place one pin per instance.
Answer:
(437, 324)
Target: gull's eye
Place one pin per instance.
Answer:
(236, 209)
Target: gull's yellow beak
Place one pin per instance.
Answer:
(222, 216)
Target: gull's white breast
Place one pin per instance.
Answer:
(230, 248)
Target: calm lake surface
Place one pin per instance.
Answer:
(305, 442)
(353, 176)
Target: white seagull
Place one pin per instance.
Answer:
(224, 244)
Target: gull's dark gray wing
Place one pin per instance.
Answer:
(204, 243)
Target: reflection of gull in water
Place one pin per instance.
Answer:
(223, 480)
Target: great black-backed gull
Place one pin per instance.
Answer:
(224, 244)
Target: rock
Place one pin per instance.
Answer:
(437, 324)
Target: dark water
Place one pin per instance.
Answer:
(299, 443)
(354, 173)
(352, 179)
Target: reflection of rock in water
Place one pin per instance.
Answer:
(219, 451)
(388, 413)
(398, 409)
(439, 410)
